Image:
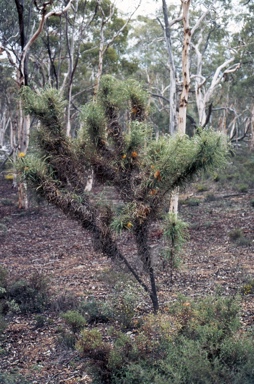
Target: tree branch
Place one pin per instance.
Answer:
(159, 96)
(198, 23)
(121, 29)
(37, 33)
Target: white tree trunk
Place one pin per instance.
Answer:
(4, 124)
(252, 128)
(171, 63)
(185, 91)
(70, 70)
(185, 69)
(102, 51)
(204, 97)
(104, 47)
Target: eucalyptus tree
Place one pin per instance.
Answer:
(214, 57)
(197, 72)
(8, 105)
(148, 49)
(17, 39)
(17, 45)
(239, 103)
(77, 47)
(108, 22)
(16, 23)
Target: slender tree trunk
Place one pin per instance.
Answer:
(144, 253)
(23, 142)
(5, 123)
(141, 235)
(68, 111)
(252, 128)
(71, 68)
(172, 89)
(102, 46)
(70, 82)
(185, 68)
(23, 128)
(153, 293)
(100, 62)
(87, 216)
(185, 92)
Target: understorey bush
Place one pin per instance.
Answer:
(248, 287)
(95, 311)
(237, 236)
(13, 378)
(29, 295)
(74, 320)
(194, 342)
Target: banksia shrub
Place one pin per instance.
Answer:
(118, 145)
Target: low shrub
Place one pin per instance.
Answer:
(91, 344)
(74, 320)
(3, 293)
(210, 197)
(3, 324)
(3, 277)
(9, 378)
(66, 339)
(202, 188)
(237, 236)
(192, 202)
(3, 230)
(64, 302)
(196, 342)
(7, 202)
(244, 242)
(248, 287)
(243, 188)
(249, 164)
(125, 300)
(121, 306)
(96, 311)
(41, 321)
(30, 295)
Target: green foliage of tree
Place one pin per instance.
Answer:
(119, 146)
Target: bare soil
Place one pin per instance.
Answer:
(42, 240)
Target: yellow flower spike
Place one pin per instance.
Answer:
(21, 154)
(124, 156)
(157, 175)
(129, 225)
(153, 192)
(9, 176)
(134, 154)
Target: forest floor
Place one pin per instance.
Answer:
(45, 242)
